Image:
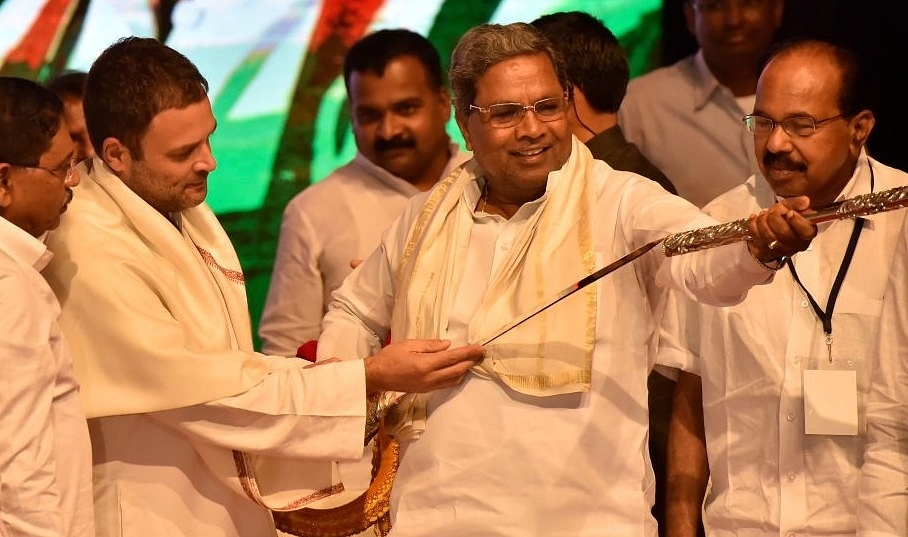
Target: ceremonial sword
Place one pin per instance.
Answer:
(719, 235)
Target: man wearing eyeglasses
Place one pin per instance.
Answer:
(775, 387)
(45, 456)
(686, 117)
(548, 435)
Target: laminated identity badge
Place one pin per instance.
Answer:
(830, 402)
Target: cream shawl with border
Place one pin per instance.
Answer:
(157, 319)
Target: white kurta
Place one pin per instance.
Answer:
(883, 507)
(495, 463)
(159, 327)
(326, 226)
(769, 478)
(45, 458)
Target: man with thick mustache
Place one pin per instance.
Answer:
(398, 106)
(784, 460)
(548, 435)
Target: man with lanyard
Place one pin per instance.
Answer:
(785, 373)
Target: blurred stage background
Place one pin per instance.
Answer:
(275, 74)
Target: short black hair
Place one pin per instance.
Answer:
(595, 61)
(130, 83)
(375, 51)
(68, 84)
(30, 116)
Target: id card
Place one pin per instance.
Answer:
(830, 402)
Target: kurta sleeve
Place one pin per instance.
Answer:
(30, 500)
(295, 305)
(359, 311)
(883, 494)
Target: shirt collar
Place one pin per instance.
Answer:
(705, 84)
(860, 179)
(23, 247)
(401, 185)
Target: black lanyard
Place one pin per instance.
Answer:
(826, 316)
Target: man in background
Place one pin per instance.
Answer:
(45, 457)
(70, 88)
(598, 72)
(686, 118)
(398, 106)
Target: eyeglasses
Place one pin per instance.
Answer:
(66, 172)
(503, 115)
(716, 6)
(794, 126)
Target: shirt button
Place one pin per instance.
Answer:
(804, 303)
(505, 245)
(850, 363)
(790, 416)
(792, 477)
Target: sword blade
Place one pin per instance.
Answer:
(571, 289)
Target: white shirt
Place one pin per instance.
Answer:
(326, 226)
(883, 508)
(769, 478)
(690, 127)
(45, 458)
(495, 463)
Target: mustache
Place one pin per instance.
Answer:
(772, 160)
(397, 142)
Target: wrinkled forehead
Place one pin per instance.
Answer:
(523, 79)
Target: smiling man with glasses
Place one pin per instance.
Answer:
(548, 436)
(760, 374)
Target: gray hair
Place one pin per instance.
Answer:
(487, 44)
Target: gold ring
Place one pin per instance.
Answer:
(772, 245)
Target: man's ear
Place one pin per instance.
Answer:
(444, 100)
(861, 125)
(689, 18)
(6, 187)
(462, 125)
(116, 155)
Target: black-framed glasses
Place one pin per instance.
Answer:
(801, 126)
(65, 172)
(504, 115)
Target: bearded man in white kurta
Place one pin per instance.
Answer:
(192, 432)
(548, 437)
